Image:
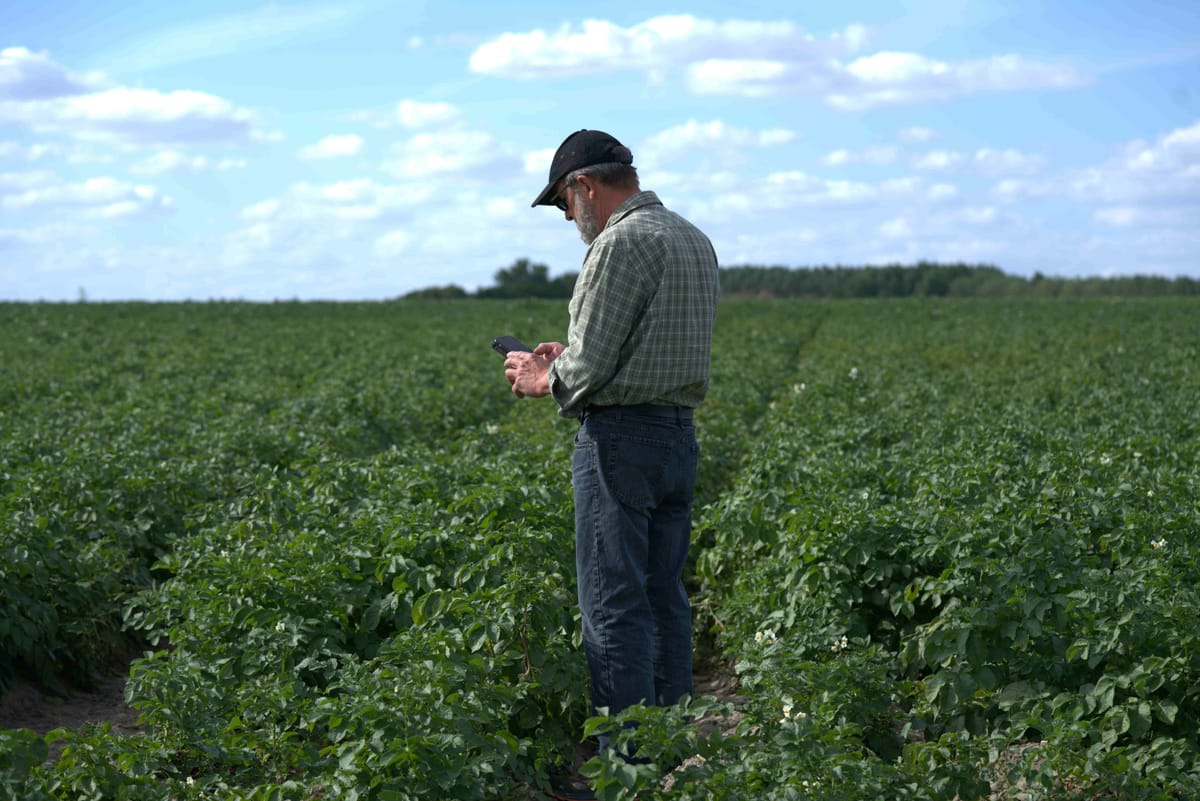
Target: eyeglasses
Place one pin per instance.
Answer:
(560, 200)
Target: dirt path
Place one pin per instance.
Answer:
(27, 707)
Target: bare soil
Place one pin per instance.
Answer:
(25, 706)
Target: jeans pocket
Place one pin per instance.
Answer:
(634, 468)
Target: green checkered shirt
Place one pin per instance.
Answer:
(641, 314)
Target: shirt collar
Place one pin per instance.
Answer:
(631, 204)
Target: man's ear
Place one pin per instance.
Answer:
(588, 184)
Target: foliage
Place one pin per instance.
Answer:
(923, 279)
(941, 542)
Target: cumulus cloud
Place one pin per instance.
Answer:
(942, 192)
(876, 156)
(761, 58)
(1165, 169)
(890, 78)
(917, 134)
(790, 188)
(712, 136)
(333, 147)
(658, 43)
(991, 161)
(938, 160)
(25, 76)
(43, 96)
(22, 181)
(308, 219)
(412, 114)
(168, 161)
(446, 152)
(897, 228)
(97, 197)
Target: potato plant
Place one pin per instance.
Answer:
(949, 549)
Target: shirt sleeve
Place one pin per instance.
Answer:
(612, 290)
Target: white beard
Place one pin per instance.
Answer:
(585, 220)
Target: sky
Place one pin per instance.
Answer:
(360, 150)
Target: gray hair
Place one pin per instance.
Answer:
(612, 173)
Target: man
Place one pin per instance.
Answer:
(635, 365)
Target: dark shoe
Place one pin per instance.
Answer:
(571, 788)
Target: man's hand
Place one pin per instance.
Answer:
(527, 372)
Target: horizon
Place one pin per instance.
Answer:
(364, 150)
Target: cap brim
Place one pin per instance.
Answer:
(546, 198)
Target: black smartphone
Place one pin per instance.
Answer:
(505, 345)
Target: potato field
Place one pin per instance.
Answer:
(948, 549)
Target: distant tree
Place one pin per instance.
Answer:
(524, 279)
(448, 292)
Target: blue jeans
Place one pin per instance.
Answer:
(634, 475)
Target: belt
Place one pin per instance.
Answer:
(645, 409)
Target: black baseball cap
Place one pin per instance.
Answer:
(581, 149)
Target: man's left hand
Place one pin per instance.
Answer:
(528, 373)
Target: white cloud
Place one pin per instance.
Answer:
(938, 160)
(1168, 168)
(1011, 190)
(888, 78)
(17, 151)
(1184, 216)
(1006, 162)
(168, 161)
(308, 221)
(415, 114)
(897, 228)
(411, 114)
(332, 147)
(658, 43)
(942, 192)
(28, 76)
(445, 152)
(712, 136)
(980, 215)
(136, 117)
(876, 156)
(760, 58)
(43, 96)
(97, 197)
(24, 181)
(917, 134)
(1117, 216)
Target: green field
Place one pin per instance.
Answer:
(948, 547)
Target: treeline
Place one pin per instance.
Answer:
(924, 279)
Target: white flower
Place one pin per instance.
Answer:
(767, 635)
(280, 626)
(492, 428)
(224, 554)
(853, 373)
(190, 781)
(1105, 459)
(1149, 493)
(798, 388)
(1159, 544)
(841, 645)
(788, 714)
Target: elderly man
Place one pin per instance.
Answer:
(635, 365)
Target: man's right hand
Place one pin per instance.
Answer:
(551, 350)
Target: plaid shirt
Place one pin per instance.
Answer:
(641, 314)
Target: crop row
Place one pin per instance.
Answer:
(939, 543)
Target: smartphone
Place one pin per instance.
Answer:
(505, 345)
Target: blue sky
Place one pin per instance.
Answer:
(360, 150)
